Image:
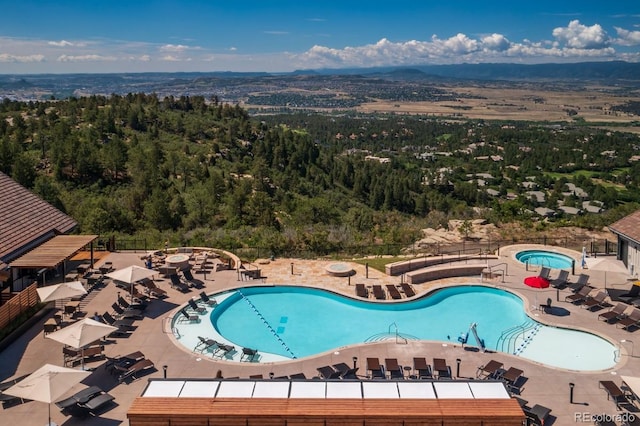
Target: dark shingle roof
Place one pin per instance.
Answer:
(628, 226)
(24, 218)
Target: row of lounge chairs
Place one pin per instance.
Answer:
(512, 377)
(337, 371)
(89, 400)
(391, 369)
(380, 293)
(213, 347)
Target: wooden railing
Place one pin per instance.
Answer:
(19, 303)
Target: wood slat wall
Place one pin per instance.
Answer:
(18, 304)
(271, 412)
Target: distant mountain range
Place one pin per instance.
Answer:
(232, 86)
(612, 70)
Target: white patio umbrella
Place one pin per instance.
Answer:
(131, 275)
(61, 291)
(606, 264)
(47, 384)
(81, 333)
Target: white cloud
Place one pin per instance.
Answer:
(61, 43)
(579, 36)
(5, 57)
(495, 42)
(627, 38)
(173, 48)
(85, 58)
(276, 32)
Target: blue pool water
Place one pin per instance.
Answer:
(545, 258)
(296, 322)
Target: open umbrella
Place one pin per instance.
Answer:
(61, 291)
(47, 384)
(606, 264)
(131, 275)
(81, 333)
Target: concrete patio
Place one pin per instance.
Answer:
(545, 386)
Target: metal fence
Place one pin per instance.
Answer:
(593, 247)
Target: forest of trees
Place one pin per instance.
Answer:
(200, 172)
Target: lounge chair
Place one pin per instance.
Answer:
(407, 289)
(393, 291)
(125, 326)
(536, 415)
(136, 370)
(328, 372)
(194, 306)
(249, 354)
(422, 369)
(205, 344)
(511, 378)
(580, 296)
(298, 376)
(583, 280)
(614, 313)
(341, 367)
(120, 313)
(119, 364)
(597, 301)
(207, 300)
(349, 374)
(615, 393)
(361, 291)
(378, 292)
(545, 273)
(490, 370)
(441, 368)
(223, 350)
(630, 321)
(177, 284)
(96, 404)
(153, 290)
(193, 282)
(560, 281)
(375, 369)
(140, 305)
(187, 317)
(393, 368)
(626, 296)
(79, 397)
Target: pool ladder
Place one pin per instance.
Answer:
(264, 321)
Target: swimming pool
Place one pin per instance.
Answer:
(545, 258)
(286, 322)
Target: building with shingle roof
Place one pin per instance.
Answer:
(26, 221)
(628, 231)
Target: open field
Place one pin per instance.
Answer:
(592, 105)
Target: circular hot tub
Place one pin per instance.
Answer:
(339, 270)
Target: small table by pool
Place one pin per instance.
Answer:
(339, 270)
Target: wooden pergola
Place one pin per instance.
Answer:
(55, 252)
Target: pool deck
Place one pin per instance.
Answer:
(545, 386)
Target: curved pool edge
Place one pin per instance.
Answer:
(532, 314)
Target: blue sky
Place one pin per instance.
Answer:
(38, 36)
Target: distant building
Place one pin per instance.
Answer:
(544, 212)
(628, 231)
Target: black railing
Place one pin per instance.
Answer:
(593, 247)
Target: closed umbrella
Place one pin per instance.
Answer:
(61, 291)
(47, 384)
(606, 264)
(82, 333)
